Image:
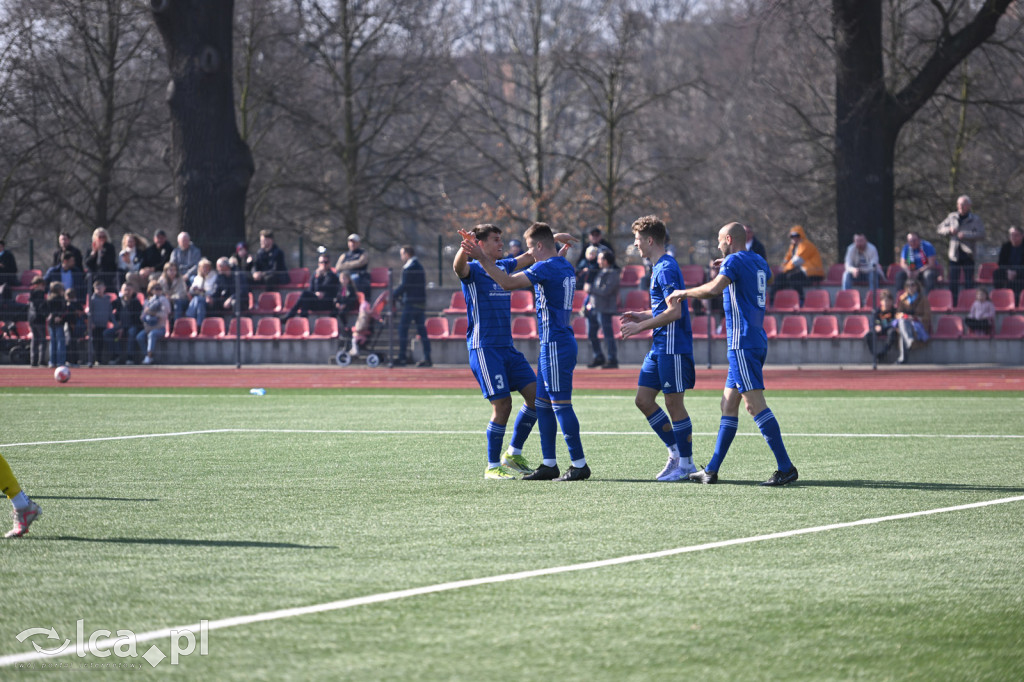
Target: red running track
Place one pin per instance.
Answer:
(329, 376)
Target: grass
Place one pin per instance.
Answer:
(147, 533)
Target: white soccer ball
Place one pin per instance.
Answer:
(62, 374)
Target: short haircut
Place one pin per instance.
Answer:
(99, 283)
(650, 226)
(540, 232)
(154, 284)
(269, 234)
(596, 232)
(409, 249)
(592, 251)
(485, 230)
(66, 255)
(37, 280)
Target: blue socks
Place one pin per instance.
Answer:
(548, 428)
(523, 426)
(495, 437)
(769, 426)
(662, 427)
(726, 432)
(684, 438)
(571, 432)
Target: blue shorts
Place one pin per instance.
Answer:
(671, 373)
(557, 362)
(499, 371)
(745, 367)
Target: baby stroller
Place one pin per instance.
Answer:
(14, 348)
(366, 334)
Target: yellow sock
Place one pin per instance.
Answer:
(8, 483)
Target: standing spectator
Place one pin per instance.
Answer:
(917, 261)
(186, 256)
(101, 316)
(154, 316)
(753, 243)
(668, 367)
(1010, 273)
(553, 281)
(587, 266)
(742, 281)
(515, 248)
(129, 262)
(37, 312)
(156, 255)
(64, 244)
(174, 289)
(412, 292)
(356, 263)
(801, 265)
(127, 316)
(982, 315)
(70, 277)
(269, 270)
(602, 306)
(201, 291)
(914, 316)
(596, 238)
(322, 292)
(861, 260)
(965, 231)
(8, 267)
(74, 326)
(102, 259)
(56, 316)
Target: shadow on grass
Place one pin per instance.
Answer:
(852, 483)
(88, 497)
(190, 543)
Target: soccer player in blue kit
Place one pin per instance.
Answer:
(668, 367)
(497, 365)
(554, 283)
(744, 280)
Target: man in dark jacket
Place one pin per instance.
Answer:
(71, 277)
(231, 286)
(322, 292)
(64, 244)
(412, 292)
(268, 268)
(8, 267)
(127, 311)
(157, 254)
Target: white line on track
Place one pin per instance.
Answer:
(420, 432)
(279, 614)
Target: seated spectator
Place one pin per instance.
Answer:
(186, 256)
(914, 317)
(918, 260)
(156, 256)
(801, 265)
(37, 312)
(322, 292)
(127, 312)
(201, 291)
(154, 316)
(231, 289)
(356, 263)
(269, 270)
(587, 267)
(74, 327)
(860, 262)
(64, 244)
(982, 315)
(129, 262)
(101, 315)
(102, 259)
(242, 260)
(884, 333)
(603, 305)
(69, 276)
(56, 316)
(1010, 273)
(174, 289)
(9, 274)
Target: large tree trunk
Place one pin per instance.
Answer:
(212, 166)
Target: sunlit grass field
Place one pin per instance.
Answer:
(164, 508)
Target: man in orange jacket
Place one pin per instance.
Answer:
(801, 266)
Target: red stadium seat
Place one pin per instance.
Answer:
(325, 328)
(616, 329)
(437, 328)
(579, 327)
(1003, 300)
(949, 327)
(459, 328)
(290, 299)
(847, 301)
(298, 278)
(244, 328)
(379, 278)
(816, 301)
(268, 303)
(524, 328)
(985, 273)
(636, 300)
(457, 305)
(834, 275)
(631, 275)
(786, 301)
(212, 328)
(940, 300)
(268, 328)
(793, 327)
(964, 300)
(770, 327)
(23, 297)
(1012, 328)
(824, 327)
(295, 328)
(184, 328)
(522, 301)
(855, 327)
(692, 275)
(577, 301)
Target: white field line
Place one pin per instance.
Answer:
(420, 432)
(105, 643)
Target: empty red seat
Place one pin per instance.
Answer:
(212, 328)
(855, 327)
(522, 301)
(816, 301)
(631, 275)
(241, 326)
(940, 300)
(985, 273)
(824, 327)
(524, 328)
(964, 300)
(577, 301)
(786, 301)
(298, 278)
(793, 327)
(184, 328)
(949, 327)
(459, 328)
(834, 275)
(579, 327)
(379, 277)
(290, 299)
(437, 327)
(847, 301)
(692, 275)
(770, 326)
(268, 303)
(636, 300)
(268, 328)
(1003, 300)
(1012, 328)
(325, 328)
(457, 304)
(294, 328)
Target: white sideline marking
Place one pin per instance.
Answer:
(279, 614)
(419, 432)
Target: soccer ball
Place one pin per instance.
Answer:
(62, 374)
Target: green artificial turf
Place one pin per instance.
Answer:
(251, 504)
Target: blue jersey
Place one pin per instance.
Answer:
(488, 307)
(744, 300)
(677, 337)
(554, 284)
